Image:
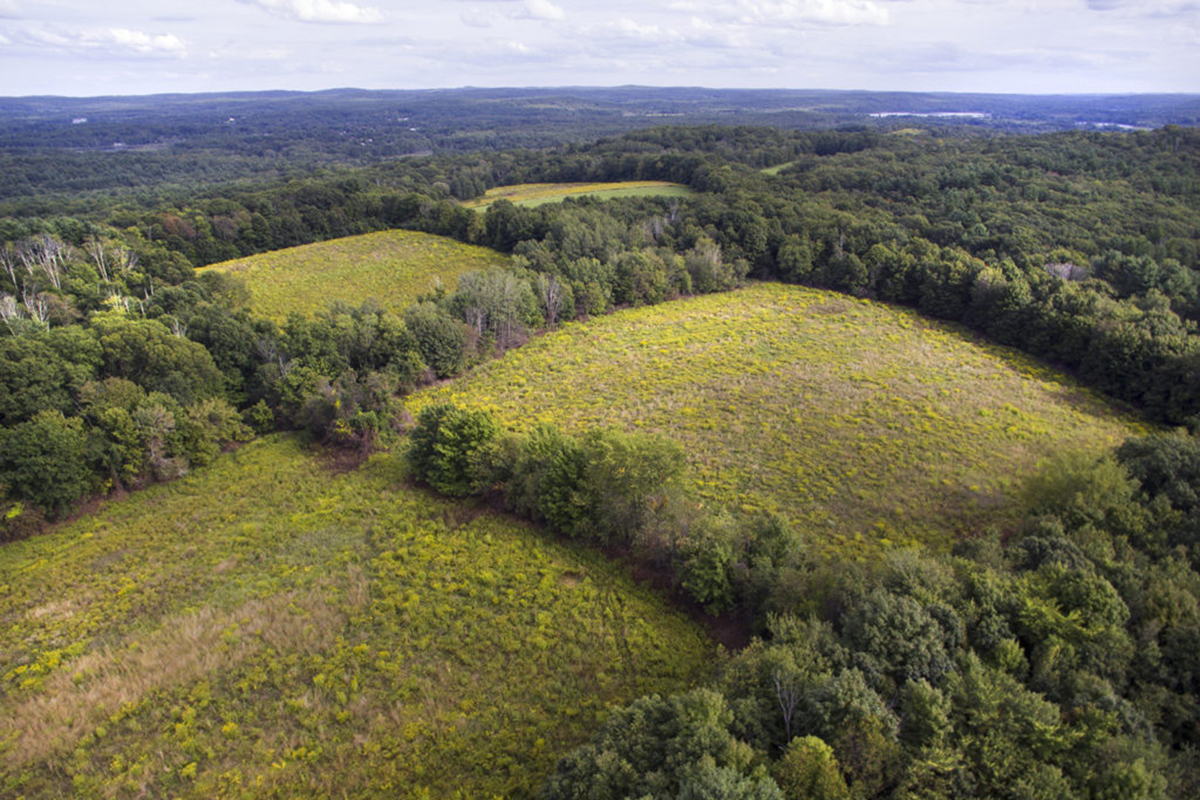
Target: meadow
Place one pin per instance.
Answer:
(866, 425)
(394, 267)
(272, 627)
(775, 169)
(535, 194)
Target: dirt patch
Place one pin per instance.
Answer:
(339, 461)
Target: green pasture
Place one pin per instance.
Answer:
(535, 194)
(867, 425)
(275, 627)
(393, 267)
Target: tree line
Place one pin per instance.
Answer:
(1060, 663)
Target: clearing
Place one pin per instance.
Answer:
(535, 194)
(393, 267)
(865, 424)
(268, 627)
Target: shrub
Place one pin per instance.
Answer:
(441, 340)
(44, 461)
(443, 445)
(627, 480)
(546, 481)
(707, 565)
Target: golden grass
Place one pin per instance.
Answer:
(186, 648)
(391, 267)
(535, 194)
(866, 425)
(264, 627)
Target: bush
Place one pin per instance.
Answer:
(44, 461)
(441, 340)
(444, 444)
(18, 521)
(627, 480)
(707, 565)
(546, 480)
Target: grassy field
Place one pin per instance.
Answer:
(393, 267)
(866, 425)
(270, 628)
(534, 194)
(775, 169)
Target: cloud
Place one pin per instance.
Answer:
(9, 9)
(540, 9)
(796, 13)
(109, 41)
(251, 54)
(946, 57)
(320, 11)
(1147, 8)
(4, 40)
(635, 30)
(139, 42)
(478, 18)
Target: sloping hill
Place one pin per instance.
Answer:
(268, 626)
(861, 422)
(393, 267)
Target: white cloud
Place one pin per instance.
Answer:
(140, 42)
(278, 54)
(4, 40)
(109, 41)
(1148, 8)
(9, 9)
(320, 10)
(794, 13)
(478, 18)
(540, 9)
(638, 31)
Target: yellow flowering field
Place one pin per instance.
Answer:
(271, 628)
(867, 425)
(534, 194)
(393, 267)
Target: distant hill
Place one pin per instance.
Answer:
(865, 424)
(392, 267)
(61, 145)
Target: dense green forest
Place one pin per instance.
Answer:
(1057, 658)
(61, 150)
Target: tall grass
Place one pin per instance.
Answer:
(535, 194)
(866, 425)
(393, 267)
(269, 628)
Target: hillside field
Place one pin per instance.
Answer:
(535, 194)
(394, 267)
(865, 424)
(269, 627)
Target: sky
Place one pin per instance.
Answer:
(99, 47)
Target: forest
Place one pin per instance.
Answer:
(1054, 656)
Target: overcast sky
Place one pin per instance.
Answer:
(92, 47)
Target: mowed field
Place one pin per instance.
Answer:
(271, 628)
(866, 425)
(535, 194)
(394, 267)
